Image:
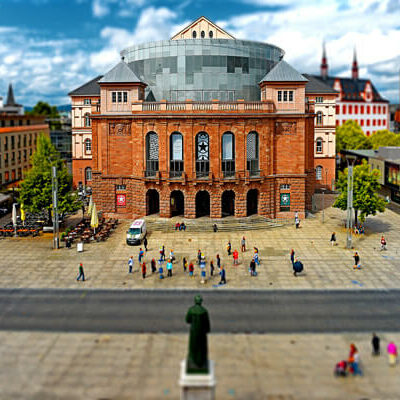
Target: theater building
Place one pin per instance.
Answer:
(202, 125)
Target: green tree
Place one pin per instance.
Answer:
(50, 112)
(36, 190)
(366, 200)
(384, 138)
(350, 136)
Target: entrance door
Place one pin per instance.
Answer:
(252, 202)
(202, 204)
(177, 203)
(152, 202)
(228, 203)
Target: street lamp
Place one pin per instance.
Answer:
(323, 204)
(349, 223)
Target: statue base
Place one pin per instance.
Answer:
(197, 386)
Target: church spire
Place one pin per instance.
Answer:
(354, 68)
(10, 96)
(324, 63)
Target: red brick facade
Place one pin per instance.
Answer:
(78, 171)
(286, 157)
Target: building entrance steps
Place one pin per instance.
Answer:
(206, 224)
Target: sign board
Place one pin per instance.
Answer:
(285, 201)
(121, 200)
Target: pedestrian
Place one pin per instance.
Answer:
(211, 268)
(354, 360)
(141, 254)
(184, 262)
(375, 345)
(252, 268)
(182, 227)
(292, 253)
(161, 270)
(235, 257)
(256, 259)
(297, 222)
(169, 268)
(144, 270)
(81, 273)
(130, 264)
(68, 243)
(153, 266)
(383, 243)
(229, 248)
(218, 262)
(199, 257)
(223, 276)
(171, 256)
(357, 264)
(297, 267)
(333, 238)
(163, 253)
(203, 271)
(215, 228)
(392, 354)
(191, 269)
(145, 243)
(243, 244)
(177, 226)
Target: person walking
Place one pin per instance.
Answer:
(191, 269)
(215, 228)
(160, 270)
(333, 239)
(223, 276)
(292, 253)
(145, 243)
(141, 254)
(383, 243)
(211, 268)
(171, 256)
(185, 264)
(252, 268)
(235, 257)
(354, 360)
(130, 264)
(297, 267)
(153, 266)
(229, 248)
(392, 354)
(218, 262)
(375, 345)
(169, 268)
(297, 220)
(256, 259)
(162, 252)
(81, 273)
(199, 257)
(357, 264)
(144, 270)
(243, 244)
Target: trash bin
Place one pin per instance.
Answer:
(79, 247)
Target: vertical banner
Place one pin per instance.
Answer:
(177, 148)
(121, 200)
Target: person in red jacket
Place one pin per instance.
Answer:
(235, 257)
(144, 270)
(191, 269)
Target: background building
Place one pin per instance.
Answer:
(215, 153)
(357, 99)
(10, 107)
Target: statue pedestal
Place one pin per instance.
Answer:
(197, 386)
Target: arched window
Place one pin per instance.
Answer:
(176, 155)
(151, 154)
(319, 145)
(194, 34)
(319, 118)
(87, 120)
(210, 34)
(228, 154)
(253, 153)
(88, 146)
(202, 155)
(203, 34)
(88, 174)
(318, 173)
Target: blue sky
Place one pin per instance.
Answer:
(49, 47)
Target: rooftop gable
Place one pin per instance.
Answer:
(121, 73)
(283, 72)
(90, 88)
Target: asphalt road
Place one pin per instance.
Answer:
(157, 311)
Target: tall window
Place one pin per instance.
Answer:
(87, 120)
(228, 154)
(176, 155)
(88, 174)
(319, 145)
(319, 118)
(319, 99)
(87, 101)
(202, 155)
(253, 153)
(151, 154)
(318, 173)
(88, 146)
(194, 34)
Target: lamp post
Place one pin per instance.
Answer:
(323, 204)
(54, 186)
(349, 223)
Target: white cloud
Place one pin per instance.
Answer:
(100, 8)
(124, 8)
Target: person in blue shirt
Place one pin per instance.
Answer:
(141, 254)
(169, 267)
(130, 264)
(161, 270)
(223, 276)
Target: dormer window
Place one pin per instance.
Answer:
(119, 97)
(194, 34)
(285, 96)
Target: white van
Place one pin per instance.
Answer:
(137, 231)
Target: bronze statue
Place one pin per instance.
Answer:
(197, 316)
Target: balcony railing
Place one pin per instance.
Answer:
(151, 168)
(202, 169)
(175, 169)
(228, 168)
(253, 168)
(215, 106)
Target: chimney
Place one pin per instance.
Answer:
(324, 63)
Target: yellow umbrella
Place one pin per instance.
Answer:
(94, 221)
(89, 211)
(22, 214)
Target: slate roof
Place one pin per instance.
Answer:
(121, 73)
(315, 85)
(91, 88)
(351, 88)
(283, 72)
(384, 153)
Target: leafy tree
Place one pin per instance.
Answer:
(350, 136)
(50, 112)
(384, 138)
(366, 200)
(36, 190)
